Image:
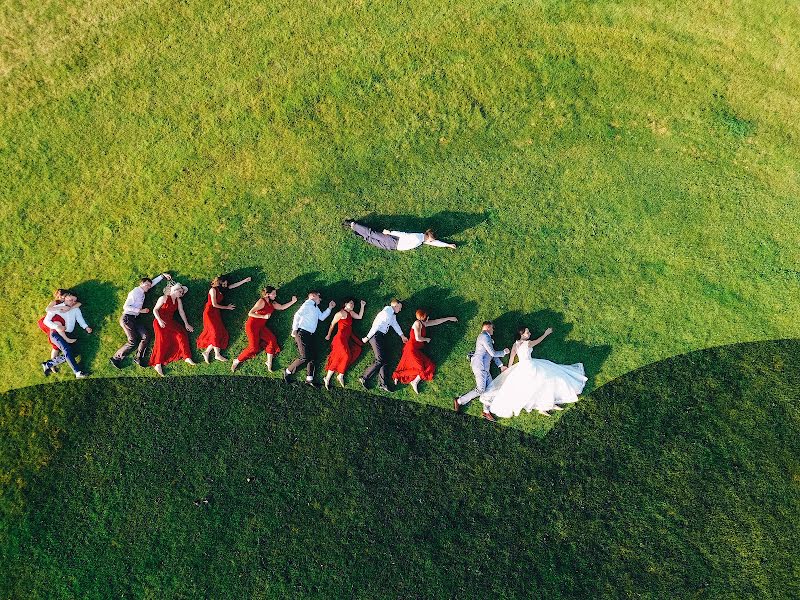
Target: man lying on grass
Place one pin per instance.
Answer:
(395, 240)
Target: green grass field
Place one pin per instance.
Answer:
(679, 480)
(629, 167)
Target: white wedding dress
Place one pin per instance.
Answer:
(533, 384)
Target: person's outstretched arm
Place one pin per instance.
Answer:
(81, 321)
(189, 328)
(277, 306)
(432, 322)
(238, 283)
(440, 244)
(539, 340)
(360, 314)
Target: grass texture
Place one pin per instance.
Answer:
(680, 479)
(623, 172)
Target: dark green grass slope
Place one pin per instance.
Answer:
(681, 479)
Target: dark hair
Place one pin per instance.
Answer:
(315, 292)
(346, 300)
(145, 280)
(218, 280)
(421, 314)
(60, 293)
(520, 330)
(485, 323)
(430, 234)
(267, 291)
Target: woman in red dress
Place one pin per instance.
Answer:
(171, 340)
(259, 335)
(214, 335)
(414, 364)
(346, 346)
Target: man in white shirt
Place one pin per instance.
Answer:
(59, 335)
(304, 324)
(395, 240)
(376, 338)
(136, 332)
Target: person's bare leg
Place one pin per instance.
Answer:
(207, 353)
(415, 383)
(189, 361)
(269, 362)
(159, 369)
(218, 355)
(234, 364)
(327, 379)
(340, 379)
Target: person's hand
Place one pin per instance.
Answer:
(88, 330)
(294, 333)
(385, 232)
(404, 338)
(506, 351)
(162, 324)
(331, 304)
(363, 303)
(294, 298)
(503, 368)
(231, 306)
(167, 276)
(144, 311)
(364, 340)
(454, 319)
(69, 339)
(328, 337)
(452, 246)
(247, 279)
(548, 331)
(189, 328)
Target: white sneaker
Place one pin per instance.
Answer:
(80, 375)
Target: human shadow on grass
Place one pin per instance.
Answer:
(445, 223)
(95, 297)
(555, 347)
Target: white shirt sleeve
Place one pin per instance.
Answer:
(157, 280)
(437, 243)
(376, 324)
(298, 316)
(79, 318)
(395, 325)
(322, 315)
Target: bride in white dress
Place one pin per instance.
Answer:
(533, 383)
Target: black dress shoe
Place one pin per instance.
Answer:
(312, 383)
(139, 360)
(456, 406)
(45, 369)
(287, 377)
(115, 362)
(363, 382)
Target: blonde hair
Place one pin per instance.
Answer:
(394, 302)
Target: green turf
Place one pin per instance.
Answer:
(629, 167)
(678, 480)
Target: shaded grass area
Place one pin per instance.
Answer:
(631, 166)
(679, 479)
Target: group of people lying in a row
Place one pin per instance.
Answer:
(531, 384)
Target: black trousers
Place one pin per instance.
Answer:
(136, 333)
(378, 343)
(304, 347)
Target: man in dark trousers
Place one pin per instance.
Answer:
(135, 331)
(376, 338)
(304, 325)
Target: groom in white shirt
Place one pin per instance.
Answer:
(304, 325)
(376, 338)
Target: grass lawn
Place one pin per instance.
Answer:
(678, 480)
(623, 172)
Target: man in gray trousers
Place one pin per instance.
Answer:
(481, 362)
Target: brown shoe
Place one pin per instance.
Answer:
(456, 405)
(489, 417)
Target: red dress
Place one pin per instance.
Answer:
(172, 342)
(345, 347)
(414, 362)
(259, 335)
(46, 329)
(214, 332)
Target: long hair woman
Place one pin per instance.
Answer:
(415, 365)
(346, 346)
(171, 340)
(214, 335)
(259, 336)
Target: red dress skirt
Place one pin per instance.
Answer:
(345, 347)
(214, 332)
(46, 329)
(259, 336)
(414, 362)
(172, 341)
